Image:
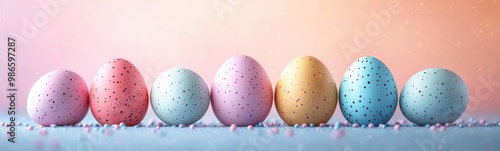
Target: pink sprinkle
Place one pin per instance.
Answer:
(40, 126)
(355, 125)
(30, 128)
(458, 122)
(191, 126)
(43, 132)
(304, 125)
(157, 127)
(38, 144)
(147, 126)
(116, 126)
(289, 132)
(482, 121)
(85, 125)
(274, 130)
(266, 125)
(250, 127)
(233, 127)
(272, 124)
(447, 124)
(160, 124)
(438, 125)
(433, 128)
(402, 121)
(181, 125)
(345, 123)
(371, 125)
(108, 132)
(470, 125)
(55, 145)
(151, 120)
(337, 134)
(443, 128)
(397, 127)
(322, 125)
(87, 129)
(2, 124)
(380, 125)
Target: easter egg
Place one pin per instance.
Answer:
(241, 92)
(368, 92)
(305, 92)
(118, 94)
(59, 97)
(432, 96)
(179, 96)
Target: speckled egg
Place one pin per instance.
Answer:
(241, 92)
(306, 92)
(368, 92)
(59, 97)
(435, 95)
(119, 94)
(179, 96)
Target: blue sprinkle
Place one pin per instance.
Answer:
(261, 124)
(363, 126)
(461, 125)
(427, 125)
(122, 124)
(338, 125)
(298, 126)
(105, 125)
(311, 125)
(487, 124)
(383, 126)
(498, 124)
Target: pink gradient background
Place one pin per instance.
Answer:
(156, 35)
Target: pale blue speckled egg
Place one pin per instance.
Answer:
(179, 96)
(435, 95)
(368, 92)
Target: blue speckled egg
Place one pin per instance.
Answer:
(179, 96)
(368, 92)
(435, 95)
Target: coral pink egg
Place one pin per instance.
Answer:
(119, 94)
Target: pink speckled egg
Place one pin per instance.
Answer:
(118, 94)
(241, 92)
(59, 97)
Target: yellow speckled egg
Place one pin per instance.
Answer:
(305, 92)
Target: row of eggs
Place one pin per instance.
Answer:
(242, 94)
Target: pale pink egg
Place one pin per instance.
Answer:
(241, 92)
(59, 97)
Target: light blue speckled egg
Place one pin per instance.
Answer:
(435, 95)
(179, 96)
(368, 92)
